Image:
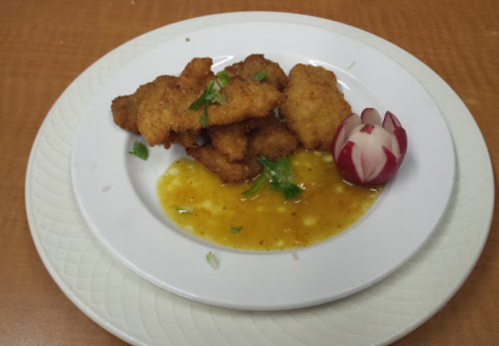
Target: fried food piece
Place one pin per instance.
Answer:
(167, 110)
(125, 109)
(314, 106)
(257, 136)
(196, 75)
(254, 136)
(229, 172)
(230, 140)
(272, 140)
(255, 63)
(187, 139)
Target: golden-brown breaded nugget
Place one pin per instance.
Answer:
(229, 172)
(255, 63)
(230, 140)
(126, 108)
(167, 110)
(261, 136)
(314, 106)
(272, 140)
(197, 74)
(254, 136)
(187, 139)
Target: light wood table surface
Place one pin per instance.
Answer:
(45, 45)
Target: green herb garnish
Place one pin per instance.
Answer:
(139, 150)
(276, 112)
(260, 76)
(223, 78)
(198, 103)
(211, 94)
(235, 229)
(204, 119)
(257, 185)
(183, 211)
(187, 39)
(280, 176)
(212, 260)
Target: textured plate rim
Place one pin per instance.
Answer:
(426, 73)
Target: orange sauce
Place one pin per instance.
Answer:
(194, 199)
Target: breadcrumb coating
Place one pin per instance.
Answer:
(255, 63)
(314, 107)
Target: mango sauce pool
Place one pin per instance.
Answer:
(194, 199)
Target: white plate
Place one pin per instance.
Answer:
(117, 192)
(143, 314)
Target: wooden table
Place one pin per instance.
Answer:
(44, 45)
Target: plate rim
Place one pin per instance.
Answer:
(266, 16)
(328, 283)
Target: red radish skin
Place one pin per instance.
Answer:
(347, 143)
(346, 166)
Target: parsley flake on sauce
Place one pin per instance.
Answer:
(235, 229)
(183, 210)
(139, 150)
(280, 176)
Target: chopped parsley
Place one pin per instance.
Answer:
(139, 150)
(183, 210)
(211, 94)
(223, 78)
(260, 76)
(212, 260)
(187, 39)
(280, 176)
(204, 119)
(259, 182)
(235, 229)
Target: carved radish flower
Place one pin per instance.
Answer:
(366, 151)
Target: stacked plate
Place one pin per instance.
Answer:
(98, 227)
